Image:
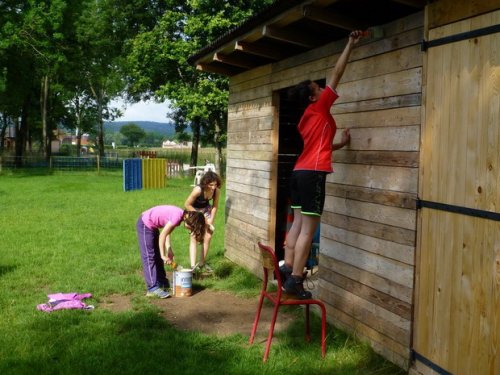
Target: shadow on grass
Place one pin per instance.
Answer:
(130, 343)
(6, 269)
(142, 342)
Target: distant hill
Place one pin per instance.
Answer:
(166, 129)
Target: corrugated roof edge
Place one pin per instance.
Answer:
(268, 13)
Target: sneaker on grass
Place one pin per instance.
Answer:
(158, 292)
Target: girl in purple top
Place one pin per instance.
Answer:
(155, 246)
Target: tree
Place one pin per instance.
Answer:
(158, 67)
(133, 133)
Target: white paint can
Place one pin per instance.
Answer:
(183, 282)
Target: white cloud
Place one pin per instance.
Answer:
(142, 111)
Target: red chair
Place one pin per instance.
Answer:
(279, 298)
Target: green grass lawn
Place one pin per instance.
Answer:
(75, 232)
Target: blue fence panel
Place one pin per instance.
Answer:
(132, 174)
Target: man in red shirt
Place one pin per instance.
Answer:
(317, 128)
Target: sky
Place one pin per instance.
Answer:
(142, 111)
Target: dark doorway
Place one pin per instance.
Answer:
(289, 148)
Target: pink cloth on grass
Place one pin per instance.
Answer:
(65, 301)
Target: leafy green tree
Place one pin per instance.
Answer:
(158, 67)
(104, 31)
(133, 133)
(35, 39)
(153, 139)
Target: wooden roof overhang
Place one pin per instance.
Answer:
(290, 27)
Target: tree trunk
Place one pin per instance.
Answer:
(78, 142)
(21, 132)
(100, 127)
(218, 146)
(78, 128)
(3, 130)
(46, 136)
(196, 127)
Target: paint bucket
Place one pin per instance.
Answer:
(183, 282)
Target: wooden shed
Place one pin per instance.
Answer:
(410, 237)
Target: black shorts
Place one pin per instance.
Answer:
(307, 191)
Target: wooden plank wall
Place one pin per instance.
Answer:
(368, 227)
(457, 306)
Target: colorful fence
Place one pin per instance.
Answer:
(144, 174)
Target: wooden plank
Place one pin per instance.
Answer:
(387, 198)
(317, 69)
(378, 283)
(396, 271)
(261, 71)
(248, 179)
(384, 321)
(257, 207)
(401, 83)
(387, 158)
(252, 108)
(247, 239)
(375, 177)
(247, 137)
(367, 292)
(273, 220)
(249, 164)
(244, 257)
(236, 184)
(252, 190)
(408, 100)
(386, 63)
(325, 16)
(360, 329)
(259, 50)
(404, 138)
(251, 124)
(397, 36)
(378, 65)
(475, 184)
(447, 11)
(250, 154)
(388, 249)
(402, 116)
(250, 147)
(423, 326)
(260, 232)
(365, 61)
(395, 216)
(244, 174)
(370, 228)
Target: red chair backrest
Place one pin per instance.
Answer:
(270, 262)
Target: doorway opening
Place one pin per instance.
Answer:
(290, 146)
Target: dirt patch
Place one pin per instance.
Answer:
(210, 312)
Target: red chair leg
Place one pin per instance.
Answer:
(271, 331)
(257, 317)
(308, 324)
(323, 330)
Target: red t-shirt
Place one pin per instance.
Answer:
(317, 128)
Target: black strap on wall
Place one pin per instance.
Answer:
(490, 215)
(425, 45)
(428, 363)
